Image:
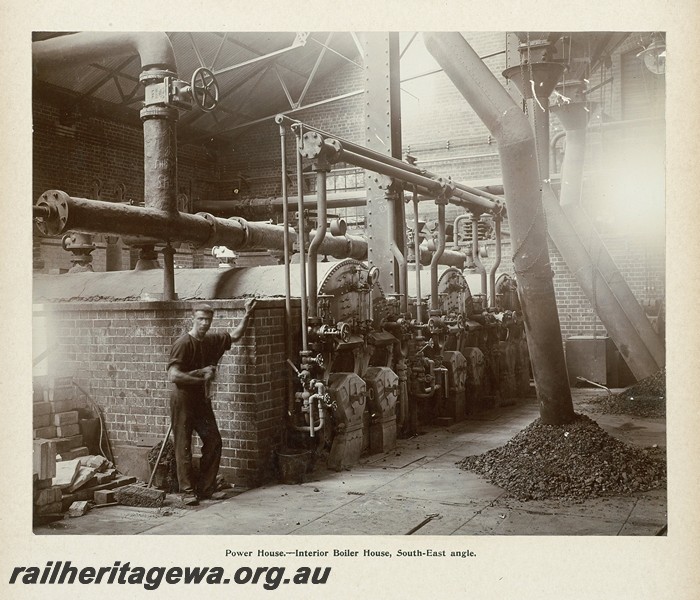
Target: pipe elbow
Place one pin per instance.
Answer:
(155, 50)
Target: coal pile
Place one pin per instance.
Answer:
(168, 479)
(646, 398)
(569, 462)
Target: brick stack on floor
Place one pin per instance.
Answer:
(66, 476)
(56, 415)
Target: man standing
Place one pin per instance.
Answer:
(191, 367)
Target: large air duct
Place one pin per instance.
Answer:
(517, 150)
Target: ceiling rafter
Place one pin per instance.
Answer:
(247, 48)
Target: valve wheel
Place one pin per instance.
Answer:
(205, 90)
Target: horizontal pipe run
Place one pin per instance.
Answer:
(388, 160)
(433, 187)
(267, 206)
(58, 213)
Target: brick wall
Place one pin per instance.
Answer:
(71, 157)
(118, 352)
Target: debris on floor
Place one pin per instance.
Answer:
(140, 495)
(569, 462)
(646, 398)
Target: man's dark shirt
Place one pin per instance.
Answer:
(189, 354)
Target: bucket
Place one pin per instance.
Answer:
(292, 465)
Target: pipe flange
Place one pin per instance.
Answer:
(155, 76)
(211, 219)
(246, 230)
(338, 227)
(311, 144)
(158, 111)
(57, 203)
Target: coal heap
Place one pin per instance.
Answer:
(646, 398)
(569, 462)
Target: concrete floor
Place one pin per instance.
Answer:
(397, 492)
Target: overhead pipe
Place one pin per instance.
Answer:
(517, 150)
(154, 49)
(252, 208)
(450, 258)
(57, 213)
(496, 262)
(315, 143)
(434, 187)
(387, 160)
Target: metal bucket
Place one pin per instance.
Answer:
(293, 465)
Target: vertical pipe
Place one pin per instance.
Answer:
(496, 263)
(301, 240)
(169, 273)
(393, 199)
(316, 242)
(160, 159)
(416, 245)
(401, 244)
(434, 304)
(285, 237)
(475, 252)
(287, 266)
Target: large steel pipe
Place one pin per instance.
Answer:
(154, 49)
(517, 150)
(58, 213)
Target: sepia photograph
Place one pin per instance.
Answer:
(390, 281)
(338, 302)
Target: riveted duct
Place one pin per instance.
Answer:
(516, 145)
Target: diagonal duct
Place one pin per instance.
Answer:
(517, 150)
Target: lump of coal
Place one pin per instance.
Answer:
(570, 462)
